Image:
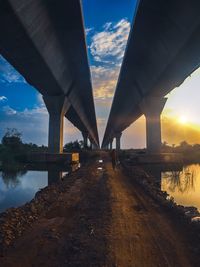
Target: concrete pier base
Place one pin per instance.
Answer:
(57, 107)
(64, 158)
(152, 108)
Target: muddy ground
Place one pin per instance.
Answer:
(100, 217)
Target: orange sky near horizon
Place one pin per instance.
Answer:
(180, 117)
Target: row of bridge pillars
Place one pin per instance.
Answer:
(152, 108)
(57, 107)
(118, 142)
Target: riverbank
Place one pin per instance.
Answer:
(95, 217)
(186, 217)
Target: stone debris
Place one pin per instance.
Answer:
(196, 219)
(14, 221)
(151, 186)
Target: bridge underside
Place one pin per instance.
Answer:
(162, 51)
(45, 41)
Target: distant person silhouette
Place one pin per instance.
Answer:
(114, 158)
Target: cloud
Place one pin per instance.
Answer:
(107, 49)
(26, 112)
(9, 111)
(107, 26)
(8, 74)
(111, 42)
(101, 121)
(3, 98)
(33, 123)
(88, 30)
(104, 81)
(35, 111)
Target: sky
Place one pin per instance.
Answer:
(107, 26)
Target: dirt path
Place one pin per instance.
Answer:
(141, 235)
(103, 220)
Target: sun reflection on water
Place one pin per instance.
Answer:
(183, 186)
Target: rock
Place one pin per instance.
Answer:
(196, 219)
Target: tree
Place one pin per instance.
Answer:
(73, 146)
(12, 139)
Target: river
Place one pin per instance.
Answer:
(19, 187)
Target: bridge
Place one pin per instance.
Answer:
(45, 42)
(101, 215)
(162, 51)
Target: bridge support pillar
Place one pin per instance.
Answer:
(57, 107)
(111, 143)
(85, 139)
(118, 141)
(152, 108)
(93, 146)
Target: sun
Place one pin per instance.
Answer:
(183, 119)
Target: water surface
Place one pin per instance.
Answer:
(184, 185)
(17, 188)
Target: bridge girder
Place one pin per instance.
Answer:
(45, 41)
(162, 51)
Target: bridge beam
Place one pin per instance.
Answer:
(57, 107)
(118, 141)
(152, 108)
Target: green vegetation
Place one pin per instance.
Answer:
(181, 148)
(75, 146)
(190, 152)
(13, 150)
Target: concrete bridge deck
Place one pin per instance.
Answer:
(45, 42)
(162, 51)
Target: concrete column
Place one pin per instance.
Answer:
(111, 143)
(118, 144)
(152, 108)
(85, 139)
(94, 146)
(105, 147)
(57, 107)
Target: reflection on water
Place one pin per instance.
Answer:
(17, 188)
(11, 179)
(183, 186)
(156, 170)
(182, 183)
(21, 187)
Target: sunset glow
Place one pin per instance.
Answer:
(183, 119)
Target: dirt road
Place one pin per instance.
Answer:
(141, 234)
(102, 219)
